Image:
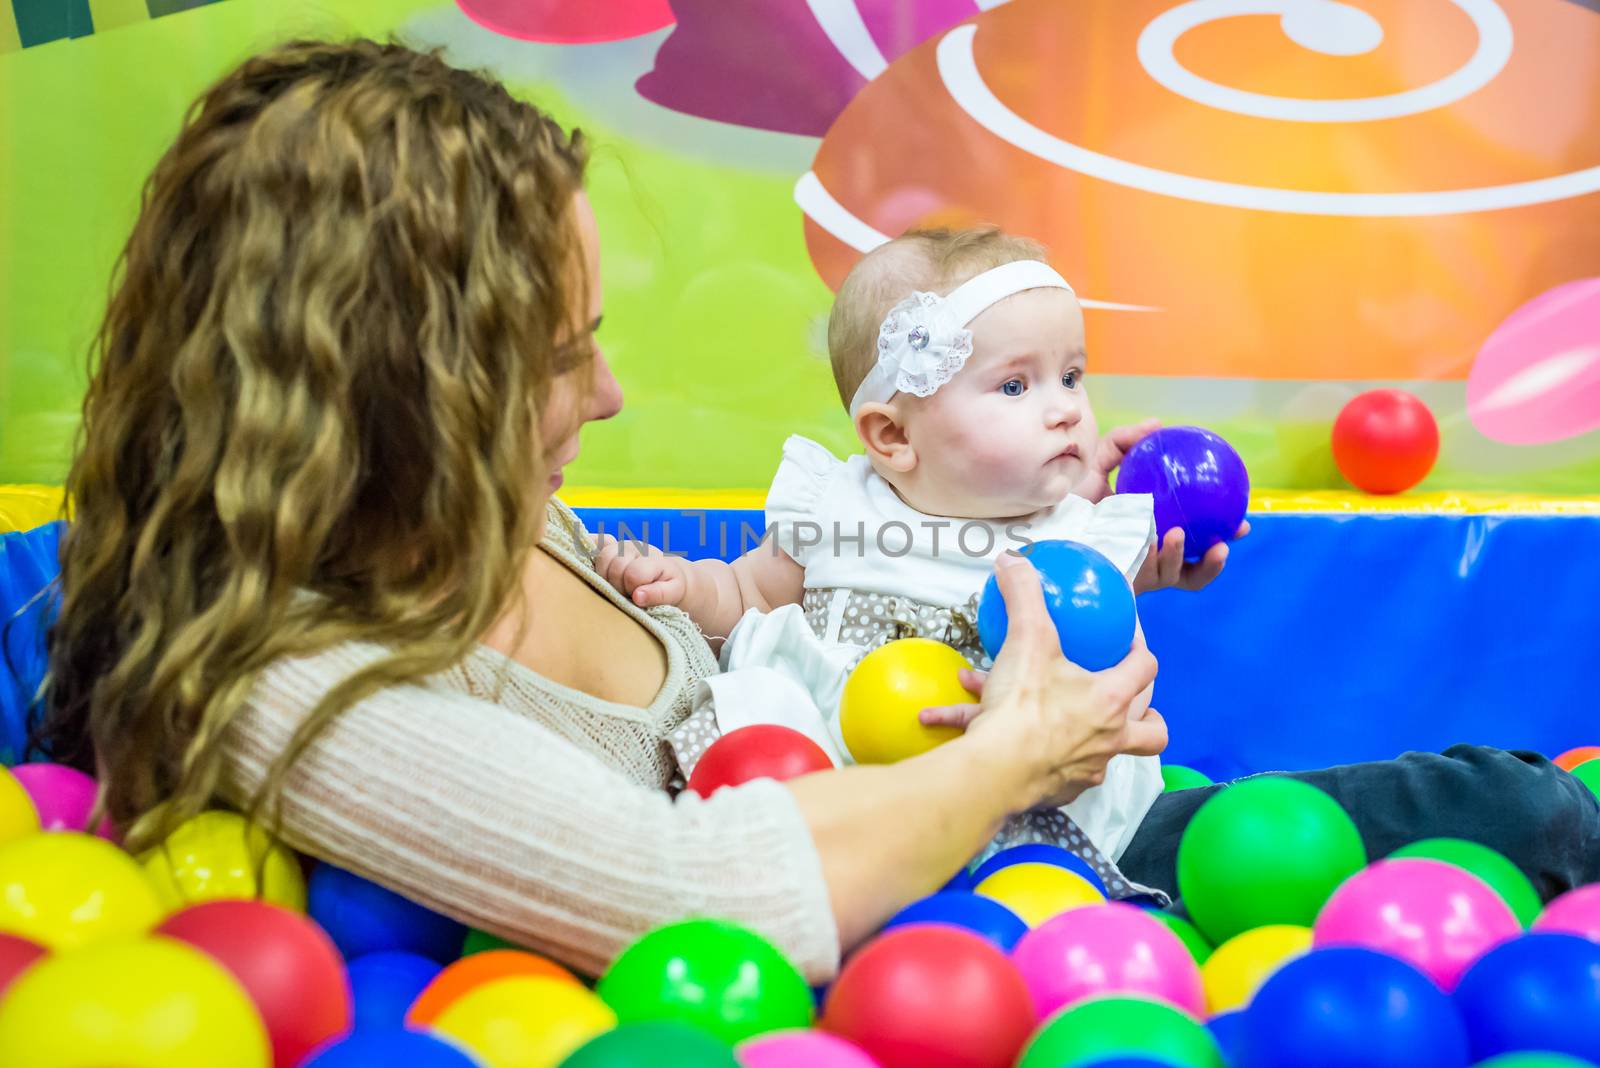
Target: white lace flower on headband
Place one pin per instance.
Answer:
(924, 340)
(921, 342)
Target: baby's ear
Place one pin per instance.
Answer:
(883, 434)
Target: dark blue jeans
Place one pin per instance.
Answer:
(1544, 820)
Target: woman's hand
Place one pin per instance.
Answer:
(1059, 723)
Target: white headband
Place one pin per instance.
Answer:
(923, 341)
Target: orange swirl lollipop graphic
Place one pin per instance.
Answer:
(1303, 189)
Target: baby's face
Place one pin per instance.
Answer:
(1012, 432)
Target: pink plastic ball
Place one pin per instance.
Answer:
(1107, 949)
(801, 1049)
(1574, 912)
(64, 796)
(1429, 914)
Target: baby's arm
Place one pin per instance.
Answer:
(714, 593)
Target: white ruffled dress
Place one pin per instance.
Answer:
(877, 570)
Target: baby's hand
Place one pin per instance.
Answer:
(1165, 569)
(648, 576)
(1095, 486)
(958, 715)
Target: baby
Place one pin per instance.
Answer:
(978, 438)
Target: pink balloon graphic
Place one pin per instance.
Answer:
(569, 21)
(64, 797)
(1107, 949)
(1574, 912)
(1537, 378)
(1429, 914)
(801, 1049)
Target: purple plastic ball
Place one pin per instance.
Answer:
(1198, 481)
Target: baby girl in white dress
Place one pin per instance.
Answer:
(961, 359)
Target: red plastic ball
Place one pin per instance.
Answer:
(16, 956)
(285, 962)
(1385, 441)
(763, 751)
(932, 996)
(1573, 757)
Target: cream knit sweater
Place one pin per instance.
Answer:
(532, 810)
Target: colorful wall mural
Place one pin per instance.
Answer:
(1269, 205)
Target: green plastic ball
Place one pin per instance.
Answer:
(1178, 777)
(1533, 1060)
(663, 1043)
(717, 976)
(1588, 773)
(1107, 1027)
(1503, 877)
(1264, 851)
(482, 941)
(1192, 939)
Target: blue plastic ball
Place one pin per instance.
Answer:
(386, 1049)
(383, 986)
(362, 917)
(1089, 601)
(1228, 1029)
(1344, 1005)
(961, 908)
(1040, 853)
(1537, 992)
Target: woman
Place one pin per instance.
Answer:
(317, 570)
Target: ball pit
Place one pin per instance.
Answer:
(1029, 968)
(1088, 599)
(1199, 483)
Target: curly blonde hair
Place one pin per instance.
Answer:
(314, 408)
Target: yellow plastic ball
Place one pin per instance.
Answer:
(18, 816)
(1237, 968)
(1038, 892)
(889, 688)
(525, 1021)
(64, 890)
(216, 856)
(134, 1003)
